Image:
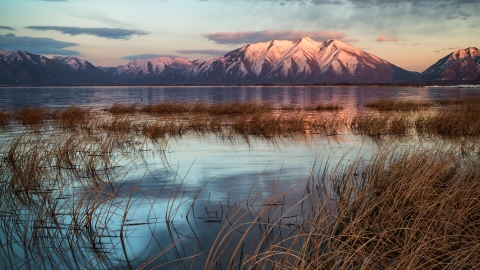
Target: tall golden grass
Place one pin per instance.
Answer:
(390, 104)
(406, 208)
(5, 118)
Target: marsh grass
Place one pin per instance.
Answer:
(122, 108)
(460, 120)
(72, 117)
(32, 116)
(391, 123)
(390, 104)
(318, 107)
(5, 118)
(407, 208)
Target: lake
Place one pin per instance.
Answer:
(172, 198)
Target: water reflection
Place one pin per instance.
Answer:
(352, 97)
(181, 195)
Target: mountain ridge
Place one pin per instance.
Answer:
(460, 65)
(303, 61)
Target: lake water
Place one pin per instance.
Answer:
(351, 97)
(156, 191)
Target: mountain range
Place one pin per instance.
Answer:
(303, 61)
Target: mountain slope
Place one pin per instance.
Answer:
(23, 68)
(85, 71)
(461, 65)
(301, 61)
(154, 70)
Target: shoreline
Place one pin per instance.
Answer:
(473, 85)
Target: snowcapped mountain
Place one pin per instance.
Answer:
(73, 62)
(85, 71)
(24, 68)
(300, 61)
(461, 65)
(160, 69)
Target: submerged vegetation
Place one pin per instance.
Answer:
(72, 194)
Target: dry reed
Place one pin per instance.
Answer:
(389, 104)
(318, 107)
(121, 108)
(32, 116)
(407, 208)
(72, 117)
(5, 118)
(373, 125)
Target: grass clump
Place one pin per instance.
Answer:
(373, 125)
(121, 108)
(318, 107)
(32, 116)
(461, 120)
(71, 117)
(389, 104)
(5, 118)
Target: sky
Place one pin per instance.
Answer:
(412, 34)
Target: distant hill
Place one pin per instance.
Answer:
(24, 68)
(151, 71)
(459, 66)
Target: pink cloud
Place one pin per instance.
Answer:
(243, 37)
(384, 38)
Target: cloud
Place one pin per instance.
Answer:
(36, 45)
(459, 16)
(368, 3)
(109, 33)
(396, 2)
(267, 35)
(383, 38)
(206, 52)
(7, 28)
(146, 56)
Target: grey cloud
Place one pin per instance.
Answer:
(206, 52)
(267, 35)
(36, 45)
(145, 56)
(7, 28)
(366, 3)
(403, 2)
(109, 33)
(459, 16)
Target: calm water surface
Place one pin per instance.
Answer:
(352, 97)
(218, 174)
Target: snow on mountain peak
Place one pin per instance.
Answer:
(154, 65)
(470, 52)
(73, 62)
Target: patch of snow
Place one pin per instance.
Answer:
(337, 67)
(157, 64)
